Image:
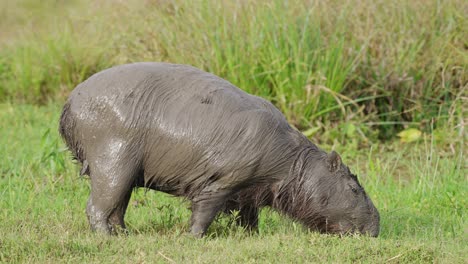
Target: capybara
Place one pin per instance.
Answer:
(177, 129)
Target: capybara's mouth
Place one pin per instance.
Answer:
(344, 229)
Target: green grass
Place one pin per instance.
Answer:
(391, 64)
(419, 188)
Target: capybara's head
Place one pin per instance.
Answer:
(327, 197)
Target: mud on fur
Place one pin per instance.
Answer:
(176, 129)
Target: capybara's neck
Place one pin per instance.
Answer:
(292, 196)
(287, 194)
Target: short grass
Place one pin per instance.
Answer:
(419, 188)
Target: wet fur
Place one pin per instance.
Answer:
(192, 134)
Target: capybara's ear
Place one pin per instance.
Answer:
(333, 161)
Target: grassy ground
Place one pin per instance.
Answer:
(419, 188)
(347, 73)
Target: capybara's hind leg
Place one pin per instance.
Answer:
(97, 217)
(108, 201)
(112, 180)
(116, 219)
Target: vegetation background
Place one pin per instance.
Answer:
(382, 82)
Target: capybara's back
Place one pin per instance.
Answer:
(175, 119)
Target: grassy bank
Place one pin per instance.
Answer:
(382, 66)
(419, 189)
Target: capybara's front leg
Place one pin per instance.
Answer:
(248, 213)
(204, 210)
(248, 217)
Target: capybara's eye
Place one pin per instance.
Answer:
(354, 190)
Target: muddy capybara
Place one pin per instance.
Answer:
(176, 129)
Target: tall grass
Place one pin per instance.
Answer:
(379, 63)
